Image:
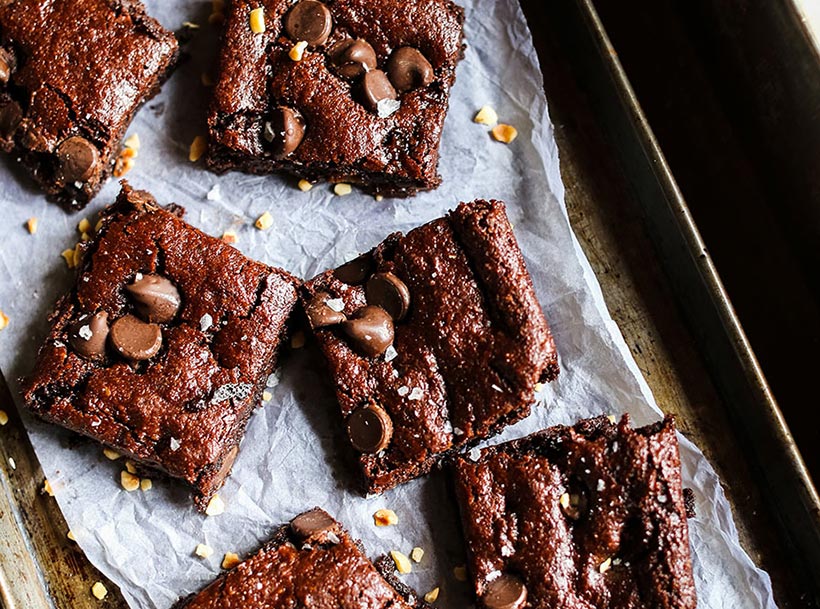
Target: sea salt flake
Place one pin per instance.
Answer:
(662, 498)
(416, 394)
(601, 485)
(475, 453)
(85, 332)
(205, 322)
(386, 107)
(333, 538)
(493, 575)
(214, 194)
(336, 304)
(497, 388)
(273, 380)
(403, 390)
(458, 431)
(174, 444)
(390, 353)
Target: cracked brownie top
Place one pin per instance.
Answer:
(72, 75)
(163, 346)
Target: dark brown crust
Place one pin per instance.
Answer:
(634, 525)
(473, 345)
(344, 142)
(138, 411)
(84, 68)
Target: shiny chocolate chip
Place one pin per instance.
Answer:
(157, 299)
(371, 329)
(10, 116)
(377, 94)
(351, 58)
(310, 21)
(356, 271)
(78, 159)
(409, 69)
(134, 339)
(312, 524)
(370, 429)
(284, 130)
(505, 592)
(7, 65)
(321, 310)
(387, 291)
(87, 337)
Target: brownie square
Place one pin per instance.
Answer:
(434, 340)
(72, 76)
(576, 517)
(365, 103)
(164, 345)
(312, 562)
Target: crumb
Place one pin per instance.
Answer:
(304, 185)
(432, 596)
(111, 455)
(215, 506)
(99, 591)
(203, 551)
(146, 484)
(342, 189)
(264, 222)
(229, 236)
(230, 560)
(504, 133)
(298, 50)
(198, 148)
(417, 554)
(47, 488)
(31, 225)
(385, 518)
(486, 116)
(403, 564)
(267, 396)
(71, 536)
(129, 481)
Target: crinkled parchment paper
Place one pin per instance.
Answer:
(144, 541)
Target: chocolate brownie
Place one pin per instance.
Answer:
(434, 340)
(577, 517)
(72, 76)
(312, 562)
(163, 347)
(365, 103)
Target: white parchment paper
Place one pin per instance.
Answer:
(144, 541)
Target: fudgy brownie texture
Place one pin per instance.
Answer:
(434, 340)
(365, 103)
(578, 517)
(72, 76)
(312, 562)
(164, 345)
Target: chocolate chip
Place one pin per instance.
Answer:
(387, 291)
(352, 58)
(134, 339)
(284, 130)
(370, 429)
(10, 116)
(87, 337)
(7, 65)
(320, 313)
(157, 299)
(371, 328)
(505, 592)
(78, 159)
(377, 94)
(310, 21)
(312, 523)
(355, 271)
(409, 69)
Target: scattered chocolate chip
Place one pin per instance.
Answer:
(312, 523)
(310, 21)
(10, 116)
(370, 429)
(352, 57)
(387, 291)
(377, 92)
(321, 314)
(355, 271)
(78, 159)
(284, 130)
(409, 69)
(87, 337)
(157, 298)
(134, 339)
(7, 65)
(505, 592)
(371, 328)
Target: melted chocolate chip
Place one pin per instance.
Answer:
(7, 65)
(310, 21)
(321, 314)
(370, 429)
(409, 69)
(371, 328)
(284, 130)
(355, 271)
(505, 592)
(10, 116)
(134, 339)
(157, 299)
(351, 58)
(78, 159)
(87, 337)
(376, 93)
(387, 291)
(312, 524)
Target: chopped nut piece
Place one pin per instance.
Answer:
(47, 488)
(267, 396)
(264, 222)
(190, 25)
(207, 80)
(198, 148)
(99, 591)
(403, 564)
(460, 573)
(611, 418)
(71, 536)
(297, 341)
(257, 20)
(230, 560)
(379, 198)
(129, 481)
(123, 165)
(605, 566)
(98, 225)
(432, 596)
(342, 189)
(133, 142)
(215, 506)
(4, 320)
(111, 455)
(4, 418)
(203, 551)
(539, 387)
(78, 254)
(298, 50)
(385, 518)
(130, 467)
(12, 463)
(504, 133)
(84, 226)
(304, 185)
(486, 116)
(229, 236)
(68, 255)
(417, 554)
(85, 237)
(31, 225)
(146, 484)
